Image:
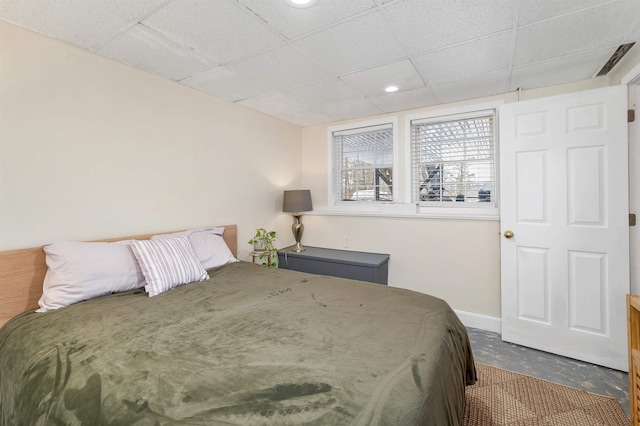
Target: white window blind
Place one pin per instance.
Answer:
(453, 160)
(363, 164)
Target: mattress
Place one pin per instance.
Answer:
(250, 346)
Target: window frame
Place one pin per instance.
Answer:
(402, 206)
(456, 210)
(334, 200)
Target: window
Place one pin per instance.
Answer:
(453, 160)
(363, 164)
(446, 166)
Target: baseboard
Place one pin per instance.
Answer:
(483, 322)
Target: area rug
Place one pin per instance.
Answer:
(502, 397)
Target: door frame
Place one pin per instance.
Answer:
(632, 80)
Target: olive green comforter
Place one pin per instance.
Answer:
(250, 346)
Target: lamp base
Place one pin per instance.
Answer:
(297, 248)
(297, 228)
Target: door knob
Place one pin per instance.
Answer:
(508, 234)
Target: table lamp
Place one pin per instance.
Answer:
(294, 202)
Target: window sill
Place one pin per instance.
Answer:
(410, 211)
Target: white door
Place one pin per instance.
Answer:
(564, 196)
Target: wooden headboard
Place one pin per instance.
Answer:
(22, 273)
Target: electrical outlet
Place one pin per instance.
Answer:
(346, 241)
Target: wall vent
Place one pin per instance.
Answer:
(613, 60)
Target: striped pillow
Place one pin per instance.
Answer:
(208, 245)
(167, 264)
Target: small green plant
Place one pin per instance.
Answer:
(263, 244)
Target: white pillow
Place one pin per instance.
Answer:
(167, 263)
(81, 271)
(208, 245)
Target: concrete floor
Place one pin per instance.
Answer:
(488, 348)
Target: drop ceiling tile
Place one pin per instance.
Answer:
(354, 108)
(323, 93)
(474, 87)
(293, 22)
(219, 29)
(531, 11)
(280, 68)
(371, 83)
(145, 49)
(410, 99)
(353, 45)
(302, 99)
(464, 60)
(226, 84)
(307, 105)
(603, 26)
(64, 20)
(558, 71)
(129, 9)
(427, 25)
(306, 118)
(277, 104)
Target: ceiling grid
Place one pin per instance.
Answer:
(332, 61)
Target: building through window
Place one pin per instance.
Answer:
(363, 164)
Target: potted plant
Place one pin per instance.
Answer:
(263, 245)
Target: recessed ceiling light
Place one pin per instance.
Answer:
(391, 89)
(301, 3)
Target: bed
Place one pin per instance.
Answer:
(250, 345)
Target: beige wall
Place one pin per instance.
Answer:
(90, 148)
(457, 260)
